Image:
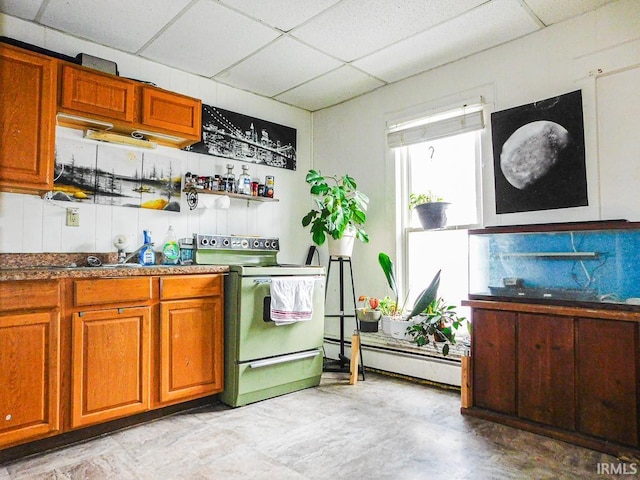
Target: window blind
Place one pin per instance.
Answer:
(465, 119)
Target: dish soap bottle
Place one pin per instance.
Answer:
(147, 256)
(170, 249)
(244, 181)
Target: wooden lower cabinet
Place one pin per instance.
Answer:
(190, 349)
(608, 379)
(110, 364)
(494, 357)
(546, 377)
(567, 372)
(29, 375)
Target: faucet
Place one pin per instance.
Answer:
(124, 258)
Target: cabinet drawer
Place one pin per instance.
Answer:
(171, 111)
(96, 93)
(191, 286)
(24, 295)
(111, 290)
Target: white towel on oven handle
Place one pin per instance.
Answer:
(291, 299)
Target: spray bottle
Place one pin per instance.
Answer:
(147, 256)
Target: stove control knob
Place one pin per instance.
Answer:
(213, 242)
(225, 242)
(244, 243)
(256, 244)
(274, 244)
(204, 241)
(266, 244)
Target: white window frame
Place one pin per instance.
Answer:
(481, 95)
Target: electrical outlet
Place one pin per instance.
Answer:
(73, 217)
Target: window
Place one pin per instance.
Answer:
(441, 155)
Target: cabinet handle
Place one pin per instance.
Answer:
(120, 310)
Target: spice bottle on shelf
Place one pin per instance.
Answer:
(244, 181)
(230, 179)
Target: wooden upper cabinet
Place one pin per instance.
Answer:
(127, 106)
(90, 92)
(171, 111)
(27, 120)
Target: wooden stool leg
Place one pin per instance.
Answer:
(355, 350)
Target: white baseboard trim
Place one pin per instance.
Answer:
(439, 370)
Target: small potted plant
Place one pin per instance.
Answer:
(437, 324)
(431, 209)
(396, 323)
(369, 314)
(340, 213)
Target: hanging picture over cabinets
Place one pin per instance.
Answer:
(538, 155)
(111, 175)
(240, 137)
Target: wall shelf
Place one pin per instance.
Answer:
(249, 198)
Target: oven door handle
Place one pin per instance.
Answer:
(284, 359)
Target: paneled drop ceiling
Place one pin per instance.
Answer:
(309, 53)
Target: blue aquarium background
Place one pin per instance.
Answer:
(602, 264)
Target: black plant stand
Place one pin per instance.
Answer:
(342, 363)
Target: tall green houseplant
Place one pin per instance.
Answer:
(338, 206)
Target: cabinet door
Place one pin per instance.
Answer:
(191, 348)
(494, 360)
(171, 112)
(97, 94)
(29, 376)
(607, 385)
(27, 120)
(546, 370)
(110, 364)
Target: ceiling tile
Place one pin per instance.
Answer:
(208, 38)
(120, 24)
(281, 14)
(554, 11)
(280, 66)
(353, 28)
(21, 8)
(492, 24)
(330, 89)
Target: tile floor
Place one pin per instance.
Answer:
(384, 428)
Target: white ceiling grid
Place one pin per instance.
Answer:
(308, 53)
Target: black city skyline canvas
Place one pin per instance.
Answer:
(241, 137)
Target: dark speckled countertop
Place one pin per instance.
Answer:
(44, 266)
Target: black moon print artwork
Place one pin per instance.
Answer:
(538, 152)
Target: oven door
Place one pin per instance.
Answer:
(259, 337)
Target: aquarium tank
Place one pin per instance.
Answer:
(570, 262)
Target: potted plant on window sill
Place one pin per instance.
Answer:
(340, 213)
(369, 314)
(437, 324)
(431, 210)
(394, 322)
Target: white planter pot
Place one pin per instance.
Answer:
(398, 328)
(343, 247)
(386, 324)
